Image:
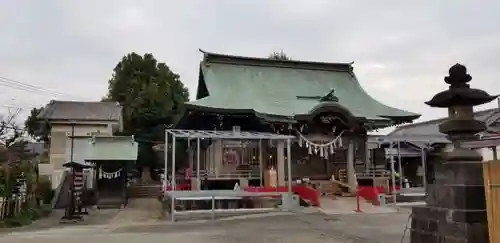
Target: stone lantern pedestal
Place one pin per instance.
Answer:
(456, 207)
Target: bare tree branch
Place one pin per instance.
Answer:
(9, 130)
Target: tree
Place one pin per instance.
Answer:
(37, 128)
(279, 55)
(149, 91)
(11, 145)
(10, 132)
(151, 95)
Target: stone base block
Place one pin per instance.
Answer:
(443, 225)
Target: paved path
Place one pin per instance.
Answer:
(284, 227)
(95, 217)
(347, 205)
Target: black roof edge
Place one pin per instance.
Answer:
(272, 118)
(268, 117)
(410, 118)
(210, 57)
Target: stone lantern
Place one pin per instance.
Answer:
(456, 208)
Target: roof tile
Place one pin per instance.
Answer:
(277, 90)
(81, 110)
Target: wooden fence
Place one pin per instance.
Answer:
(491, 170)
(12, 207)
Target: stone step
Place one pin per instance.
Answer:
(144, 191)
(405, 198)
(410, 197)
(110, 206)
(110, 203)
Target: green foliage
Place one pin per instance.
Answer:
(17, 151)
(279, 55)
(149, 91)
(9, 173)
(37, 128)
(152, 97)
(44, 190)
(27, 216)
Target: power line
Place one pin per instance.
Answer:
(28, 87)
(15, 84)
(24, 88)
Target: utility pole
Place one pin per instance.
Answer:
(69, 213)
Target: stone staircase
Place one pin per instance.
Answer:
(144, 191)
(62, 197)
(410, 195)
(407, 196)
(326, 188)
(110, 203)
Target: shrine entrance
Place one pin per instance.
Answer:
(111, 180)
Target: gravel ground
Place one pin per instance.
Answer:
(300, 228)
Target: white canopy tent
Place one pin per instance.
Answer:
(174, 134)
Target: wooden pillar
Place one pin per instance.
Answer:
(97, 174)
(329, 170)
(368, 154)
(351, 174)
(198, 179)
(218, 157)
(261, 164)
(190, 156)
(191, 165)
(280, 157)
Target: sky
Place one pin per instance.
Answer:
(401, 49)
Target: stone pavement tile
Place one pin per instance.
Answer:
(128, 215)
(292, 227)
(53, 221)
(348, 205)
(378, 227)
(279, 228)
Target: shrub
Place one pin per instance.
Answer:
(17, 221)
(27, 216)
(44, 190)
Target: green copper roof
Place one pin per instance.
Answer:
(285, 88)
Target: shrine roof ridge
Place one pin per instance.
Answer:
(210, 57)
(262, 87)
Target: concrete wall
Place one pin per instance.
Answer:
(59, 136)
(59, 143)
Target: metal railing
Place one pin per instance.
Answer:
(373, 173)
(236, 174)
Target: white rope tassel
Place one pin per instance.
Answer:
(300, 141)
(326, 153)
(310, 143)
(309, 149)
(332, 149)
(322, 152)
(112, 175)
